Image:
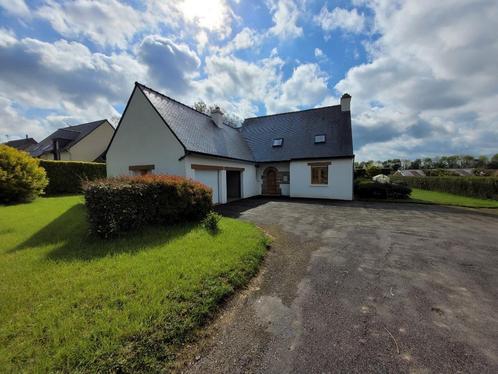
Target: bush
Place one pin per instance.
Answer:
(121, 204)
(480, 187)
(21, 177)
(67, 176)
(211, 222)
(440, 173)
(375, 190)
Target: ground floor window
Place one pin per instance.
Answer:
(319, 173)
(141, 169)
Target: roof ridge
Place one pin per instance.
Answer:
(170, 98)
(293, 111)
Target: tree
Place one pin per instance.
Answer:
(416, 164)
(481, 162)
(229, 119)
(201, 106)
(493, 164)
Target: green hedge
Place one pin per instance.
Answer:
(121, 204)
(373, 190)
(481, 187)
(68, 176)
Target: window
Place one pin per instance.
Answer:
(141, 169)
(319, 173)
(277, 142)
(320, 138)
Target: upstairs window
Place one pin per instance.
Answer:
(320, 138)
(277, 142)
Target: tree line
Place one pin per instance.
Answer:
(442, 162)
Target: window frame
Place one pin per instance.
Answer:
(277, 142)
(320, 142)
(322, 178)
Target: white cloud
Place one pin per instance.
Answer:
(340, 18)
(320, 55)
(286, 13)
(431, 81)
(15, 7)
(171, 65)
(105, 22)
(304, 89)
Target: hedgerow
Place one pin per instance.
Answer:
(376, 190)
(480, 187)
(67, 176)
(121, 204)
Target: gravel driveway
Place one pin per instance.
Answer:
(362, 287)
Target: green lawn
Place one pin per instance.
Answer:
(70, 302)
(434, 197)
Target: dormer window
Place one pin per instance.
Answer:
(277, 142)
(320, 138)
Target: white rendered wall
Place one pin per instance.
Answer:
(340, 182)
(91, 146)
(249, 183)
(280, 166)
(143, 139)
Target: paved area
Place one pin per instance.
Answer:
(351, 287)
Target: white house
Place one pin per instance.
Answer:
(84, 142)
(307, 153)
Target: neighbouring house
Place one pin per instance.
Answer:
(307, 153)
(84, 142)
(22, 144)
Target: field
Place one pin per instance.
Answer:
(72, 302)
(442, 198)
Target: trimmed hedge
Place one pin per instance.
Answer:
(122, 204)
(480, 187)
(21, 177)
(375, 190)
(67, 176)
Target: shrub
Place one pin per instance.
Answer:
(480, 187)
(121, 204)
(372, 170)
(21, 177)
(375, 190)
(211, 221)
(440, 173)
(67, 176)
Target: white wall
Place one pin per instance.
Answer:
(280, 166)
(340, 183)
(143, 139)
(91, 146)
(249, 181)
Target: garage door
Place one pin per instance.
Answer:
(210, 179)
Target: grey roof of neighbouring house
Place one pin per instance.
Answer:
(253, 141)
(68, 136)
(22, 144)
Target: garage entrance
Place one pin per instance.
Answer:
(233, 185)
(210, 179)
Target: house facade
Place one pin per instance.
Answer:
(298, 154)
(84, 142)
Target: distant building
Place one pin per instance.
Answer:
(85, 142)
(22, 144)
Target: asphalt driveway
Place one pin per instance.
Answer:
(362, 287)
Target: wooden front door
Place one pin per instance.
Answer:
(271, 186)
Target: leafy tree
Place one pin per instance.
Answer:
(200, 106)
(416, 164)
(427, 163)
(481, 162)
(21, 177)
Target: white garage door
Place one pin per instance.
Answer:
(210, 179)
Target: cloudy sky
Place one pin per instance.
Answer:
(423, 74)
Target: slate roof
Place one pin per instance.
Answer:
(298, 130)
(22, 144)
(253, 141)
(197, 131)
(68, 136)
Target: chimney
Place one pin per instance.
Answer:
(217, 116)
(27, 136)
(345, 102)
(55, 149)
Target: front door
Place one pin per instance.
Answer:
(271, 186)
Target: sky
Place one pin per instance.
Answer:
(423, 74)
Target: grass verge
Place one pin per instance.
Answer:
(442, 198)
(75, 303)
